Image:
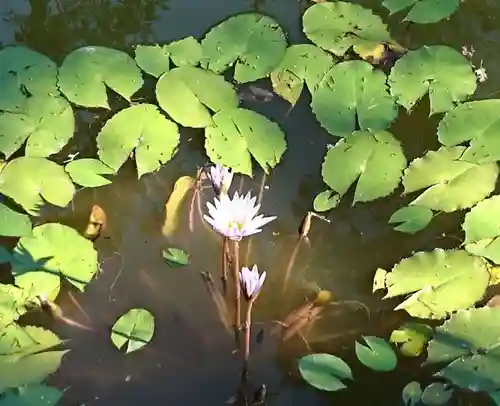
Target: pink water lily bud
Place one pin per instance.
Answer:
(251, 282)
(221, 178)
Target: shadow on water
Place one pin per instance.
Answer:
(190, 358)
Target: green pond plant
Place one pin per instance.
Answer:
(355, 97)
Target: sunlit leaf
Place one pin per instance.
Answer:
(134, 329)
(451, 182)
(255, 44)
(187, 94)
(239, 134)
(377, 355)
(173, 207)
(469, 343)
(412, 337)
(338, 26)
(325, 201)
(87, 172)
(12, 301)
(441, 71)
(12, 223)
(185, 52)
(142, 129)
(87, 71)
(33, 395)
(175, 257)
(31, 180)
(351, 96)
(436, 394)
(324, 371)
(45, 124)
(412, 219)
(423, 11)
(411, 394)
(375, 160)
(153, 59)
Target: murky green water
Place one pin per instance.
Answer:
(190, 359)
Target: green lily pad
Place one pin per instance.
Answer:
(412, 219)
(441, 71)
(338, 26)
(134, 329)
(237, 135)
(377, 355)
(31, 180)
(153, 59)
(33, 395)
(324, 371)
(185, 52)
(423, 11)
(187, 94)
(375, 160)
(436, 394)
(411, 394)
(351, 96)
(412, 337)
(469, 343)
(87, 172)
(46, 124)
(12, 223)
(87, 71)
(142, 129)
(451, 182)
(302, 64)
(12, 304)
(24, 70)
(175, 257)
(255, 44)
(438, 283)
(325, 201)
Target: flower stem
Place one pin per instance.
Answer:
(224, 264)
(237, 291)
(246, 340)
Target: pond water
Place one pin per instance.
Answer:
(190, 359)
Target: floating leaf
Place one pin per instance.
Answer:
(12, 301)
(24, 70)
(27, 180)
(41, 259)
(377, 355)
(438, 282)
(173, 206)
(469, 342)
(324, 371)
(88, 172)
(495, 396)
(338, 26)
(175, 257)
(12, 223)
(442, 71)
(187, 93)
(423, 11)
(411, 394)
(452, 183)
(477, 122)
(255, 44)
(303, 63)
(185, 52)
(436, 394)
(412, 219)
(87, 71)
(239, 134)
(377, 159)
(142, 129)
(33, 395)
(412, 337)
(352, 95)
(134, 329)
(325, 201)
(153, 59)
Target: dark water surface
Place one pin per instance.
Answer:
(190, 359)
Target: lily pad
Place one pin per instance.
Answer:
(338, 26)
(87, 71)
(46, 124)
(351, 96)
(153, 59)
(303, 63)
(134, 329)
(441, 71)
(40, 260)
(411, 394)
(31, 180)
(255, 44)
(377, 355)
(33, 395)
(187, 94)
(325, 201)
(469, 343)
(142, 129)
(88, 172)
(185, 52)
(412, 337)
(436, 394)
(375, 160)
(239, 134)
(12, 304)
(175, 257)
(12, 223)
(451, 182)
(423, 11)
(412, 219)
(324, 371)
(25, 72)
(438, 283)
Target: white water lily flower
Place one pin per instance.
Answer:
(221, 178)
(251, 282)
(236, 218)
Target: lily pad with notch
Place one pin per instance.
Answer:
(133, 330)
(377, 354)
(175, 257)
(325, 371)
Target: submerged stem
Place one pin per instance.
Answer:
(224, 264)
(237, 291)
(246, 340)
